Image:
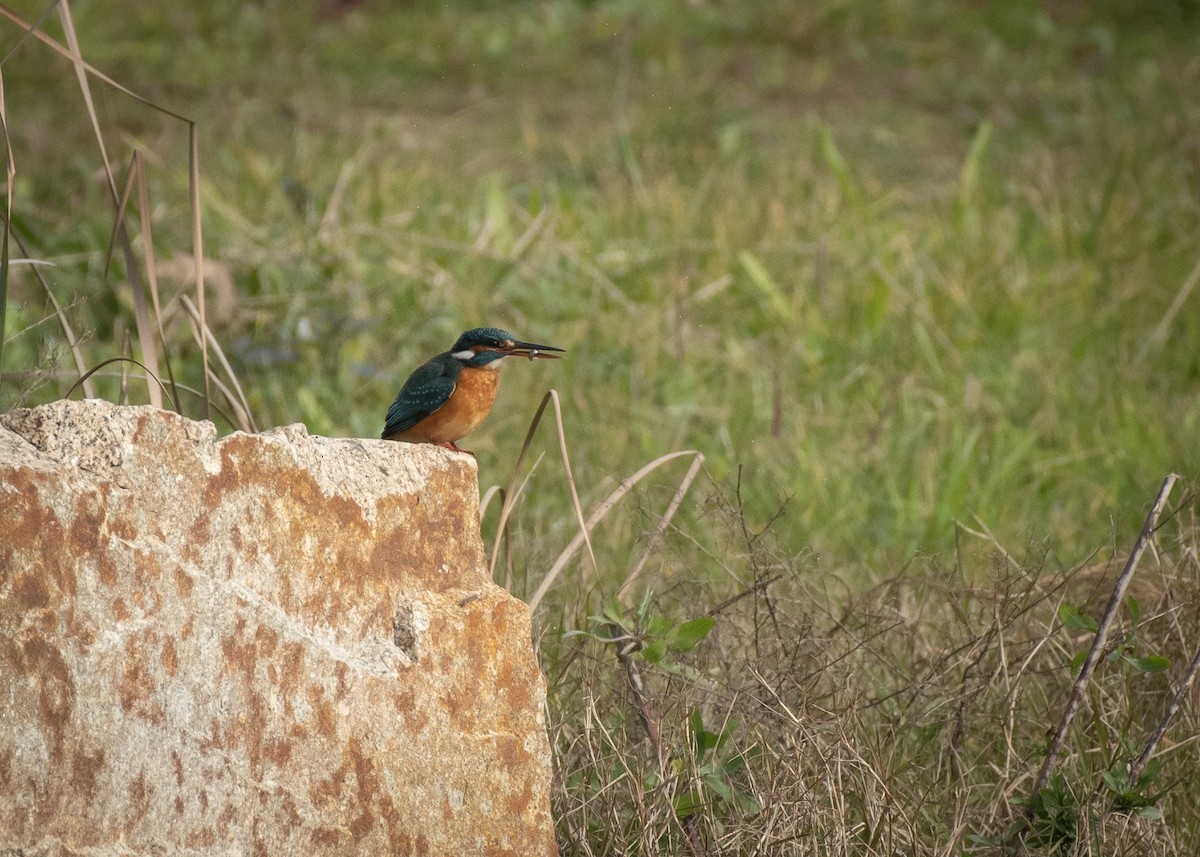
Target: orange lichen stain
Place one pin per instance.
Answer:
(31, 592)
(137, 684)
(519, 804)
(199, 533)
(247, 731)
(178, 805)
(169, 657)
(323, 712)
(266, 641)
(239, 655)
(139, 796)
(83, 536)
(56, 690)
(118, 526)
(293, 814)
(278, 751)
(345, 679)
(120, 612)
(147, 565)
(85, 769)
(291, 666)
(325, 837)
(27, 518)
(414, 721)
(225, 819)
(147, 600)
(183, 583)
(368, 788)
(202, 838)
(177, 764)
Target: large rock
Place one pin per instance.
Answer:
(266, 644)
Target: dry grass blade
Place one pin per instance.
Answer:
(90, 372)
(510, 498)
(1163, 329)
(141, 312)
(235, 397)
(34, 30)
(329, 220)
(198, 254)
(84, 71)
(10, 171)
(76, 57)
(1181, 694)
(120, 201)
(597, 514)
(89, 390)
(151, 266)
(661, 529)
(486, 501)
(1097, 649)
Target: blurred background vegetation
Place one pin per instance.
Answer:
(915, 277)
(903, 264)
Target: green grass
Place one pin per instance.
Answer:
(895, 267)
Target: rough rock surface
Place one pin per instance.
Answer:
(266, 644)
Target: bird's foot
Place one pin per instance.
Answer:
(451, 445)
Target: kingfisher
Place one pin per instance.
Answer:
(448, 396)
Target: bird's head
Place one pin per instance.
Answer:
(484, 347)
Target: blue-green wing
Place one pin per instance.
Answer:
(426, 390)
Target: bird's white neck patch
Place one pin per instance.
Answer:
(463, 355)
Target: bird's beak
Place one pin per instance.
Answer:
(533, 351)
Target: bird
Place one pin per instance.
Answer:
(448, 396)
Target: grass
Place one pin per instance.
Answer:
(912, 277)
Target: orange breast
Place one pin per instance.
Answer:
(474, 393)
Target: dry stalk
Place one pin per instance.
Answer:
(1135, 770)
(1098, 643)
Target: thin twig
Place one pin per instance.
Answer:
(1097, 649)
(1163, 329)
(597, 513)
(661, 529)
(1185, 687)
(510, 498)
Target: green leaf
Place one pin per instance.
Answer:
(746, 802)
(1075, 620)
(613, 614)
(1116, 781)
(972, 168)
(658, 626)
(575, 633)
(654, 651)
(644, 605)
(1135, 610)
(766, 285)
(719, 787)
(686, 636)
(1151, 812)
(1149, 664)
(688, 803)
